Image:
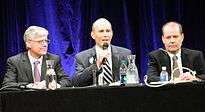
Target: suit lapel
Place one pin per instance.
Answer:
(115, 64)
(27, 66)
(43, 67)
(92, 55)
(184, 57)
(28, 69)
(165, 61)
(168, 64)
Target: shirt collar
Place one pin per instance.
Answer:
(101, 50)
(178, 54)
(32, 59)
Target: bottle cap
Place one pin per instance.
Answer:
(164, 67)
(123, 62)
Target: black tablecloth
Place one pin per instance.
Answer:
(181, 97)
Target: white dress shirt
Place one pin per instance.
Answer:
(32, 60)
(179, 60)
(100, 51)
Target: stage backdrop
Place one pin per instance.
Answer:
(136, 25)
(69, 24)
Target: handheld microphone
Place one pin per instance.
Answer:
(104, 47)
(15, 87)
(104, 60)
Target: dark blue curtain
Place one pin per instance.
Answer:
(136, 24)
(69, 23)
(154, 13)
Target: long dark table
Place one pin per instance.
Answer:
(170, 98)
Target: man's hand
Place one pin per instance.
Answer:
(37, 85)
(101, 57)
(53, 85)
(187, 76)
(42, 85)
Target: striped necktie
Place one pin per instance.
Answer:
(37, 77)
(107, 73)
(176, 73)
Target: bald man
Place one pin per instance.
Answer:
(92, 59)
(172, 39)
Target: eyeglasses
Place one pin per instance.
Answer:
(41, 41)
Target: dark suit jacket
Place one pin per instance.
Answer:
(84, 68)
(19, 70)
(190, 58)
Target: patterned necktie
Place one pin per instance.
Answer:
(175, 65)
(107, 73)
(37, 77)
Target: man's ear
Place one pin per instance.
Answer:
(92, 35)
(182, 37)
(28, 45)
(162, 38)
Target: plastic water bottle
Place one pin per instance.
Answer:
(123, 71)
(164, 74)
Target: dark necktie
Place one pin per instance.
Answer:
(176, 73)
(107, 73)
(37, 77)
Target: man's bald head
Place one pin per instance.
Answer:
(100, 22)
(102, 32)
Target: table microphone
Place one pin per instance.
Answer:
(161, 49)
(17, 86)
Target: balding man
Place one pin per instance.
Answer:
(174, 57)
(103, 52)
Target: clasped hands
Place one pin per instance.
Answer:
(185, 77)
(42, 85)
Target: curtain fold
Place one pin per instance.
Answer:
(69, 24)
(136, 25)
